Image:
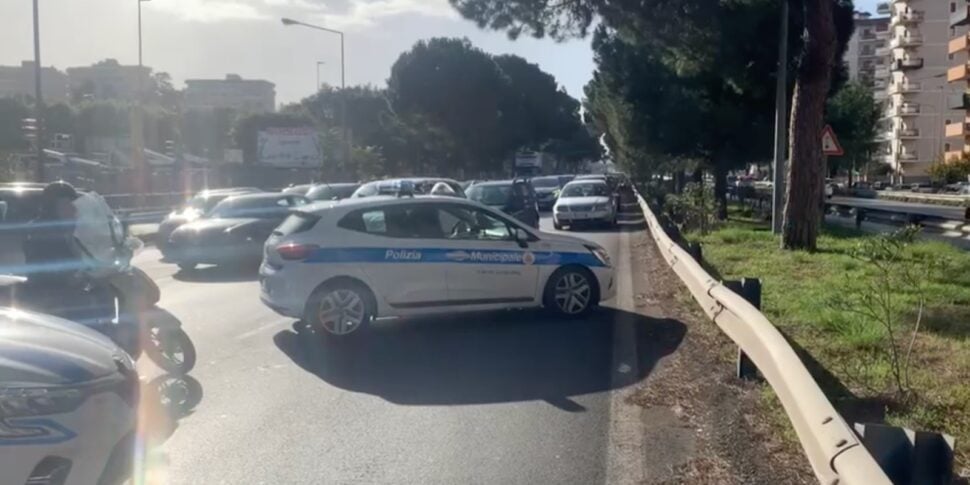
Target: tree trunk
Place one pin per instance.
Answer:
(720, 191)
(678, 181)
(806, 172)
(698, 176)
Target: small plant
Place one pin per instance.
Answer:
(694, 209)
(894, 299)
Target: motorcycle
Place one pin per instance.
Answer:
(112, 297)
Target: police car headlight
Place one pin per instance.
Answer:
(36, 401)
(601, 255)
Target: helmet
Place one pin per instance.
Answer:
(442, 188)
(59, 190)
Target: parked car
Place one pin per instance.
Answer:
(922, 187)
(194, 208)
(332, 191)
(584, 201)
(234, 231)
(547, 190)
(516, 198)
(417, 186)
(340, 266)
(68, 402)
(298, 189)
(862, 190)
(611, 183)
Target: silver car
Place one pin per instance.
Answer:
(585, 201)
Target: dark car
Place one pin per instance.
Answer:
(547, 190)
(233, 231)
(298, 189)
(193, 209)
(332, 191)
(565, 179)
(514, 197)
(419, 186)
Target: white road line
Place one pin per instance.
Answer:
(266, 326)
(625, 450)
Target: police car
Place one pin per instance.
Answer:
(338, 265)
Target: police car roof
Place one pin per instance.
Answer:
(494, 183)
(379, 200)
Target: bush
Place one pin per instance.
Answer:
(694, 209)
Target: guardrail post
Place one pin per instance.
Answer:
(966, 214)
(860, 215)
(907, 456)
(750, 290)
(695, 251)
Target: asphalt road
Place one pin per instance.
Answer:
(952, 213)
(503, 398)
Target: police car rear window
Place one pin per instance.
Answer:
(295, 223)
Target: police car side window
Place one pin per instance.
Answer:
(374, 222)
(473, 224)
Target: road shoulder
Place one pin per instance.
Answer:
(699, 423)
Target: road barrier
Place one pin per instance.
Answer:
(834, 450)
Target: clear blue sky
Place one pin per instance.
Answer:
(209, 38)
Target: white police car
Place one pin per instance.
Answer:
(337, 265)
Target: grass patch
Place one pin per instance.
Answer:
(799, 289)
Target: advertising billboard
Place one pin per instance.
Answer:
(296, 147)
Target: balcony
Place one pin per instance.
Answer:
(958, 73)
(958, 44)
(911, 40)
(880, 95)
(908, 64)
(907, 133)
(953, 155)
(881, 73)
(883, 8)
(905, 87)
(883, 51)
(906, 18)
(958, 129)
(906, 109)
(907, 156)
(961, 16)
(958, 101)
(883, 34)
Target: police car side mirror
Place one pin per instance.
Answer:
(521, 237)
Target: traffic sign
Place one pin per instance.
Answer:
(830, 144)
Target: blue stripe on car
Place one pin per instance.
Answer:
(447, 255)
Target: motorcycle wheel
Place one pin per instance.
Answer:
(171, 349)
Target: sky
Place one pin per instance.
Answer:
(207, 39)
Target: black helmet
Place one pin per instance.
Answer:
(60, 190)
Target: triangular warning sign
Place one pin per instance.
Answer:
(830, 144)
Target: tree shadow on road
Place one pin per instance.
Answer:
(488, 358)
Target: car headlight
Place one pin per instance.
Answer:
(192, 214)
(36, 401)
(601, 207)
(601, 255)
(561, 208)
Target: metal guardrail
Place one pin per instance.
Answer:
(833, 449)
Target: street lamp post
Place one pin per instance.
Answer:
(137, 131)
(316, 89)
(38, 100)
(343, 82)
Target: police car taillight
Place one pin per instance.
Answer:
(296, 252)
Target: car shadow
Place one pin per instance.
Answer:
(164, 401)
(487, 358)
(219, 274)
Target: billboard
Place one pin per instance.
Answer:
(528, 160)
(296, 147)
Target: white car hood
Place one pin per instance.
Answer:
(37, 349)
(595, 199)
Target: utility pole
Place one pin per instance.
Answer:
(38, 100)
(779, 167)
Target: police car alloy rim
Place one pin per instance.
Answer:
(572, 293)
(341, 311)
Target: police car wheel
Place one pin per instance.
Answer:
(340, 310)
(570, 291)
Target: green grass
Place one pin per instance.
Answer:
(799, 294)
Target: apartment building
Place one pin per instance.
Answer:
(958, 129)
(19, 81)
(109, 80)
(867, 50)
(247, 95)
(917, 105)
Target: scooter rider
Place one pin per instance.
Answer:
(51, 252)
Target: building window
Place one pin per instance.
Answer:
(950, 56)
(953, 7)
(946, 147)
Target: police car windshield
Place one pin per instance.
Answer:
(551, 182)
(490, 194)
(591, 189)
